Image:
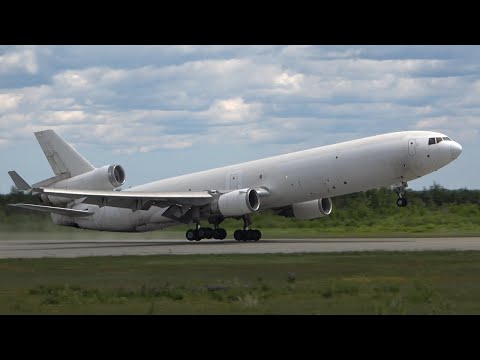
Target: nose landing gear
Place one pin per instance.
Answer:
(402, 202)
(400, 189)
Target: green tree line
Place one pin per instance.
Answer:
(435, 210)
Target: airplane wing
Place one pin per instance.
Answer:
(135, 200)
(55, 210)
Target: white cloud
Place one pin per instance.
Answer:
(161, 142)
(324, 52)
(9, 102)
(358, 68)
(177, 144)
(117, 132)
(290, 82)
(296, 51)
(232, 111)
(433, 122)
(68, 116)
(14, 122)
(22, 60)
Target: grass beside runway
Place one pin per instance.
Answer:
(329, 283)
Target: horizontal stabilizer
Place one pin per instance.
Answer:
(19, 182)
(55, 210)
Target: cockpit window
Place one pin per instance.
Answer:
(433, 141)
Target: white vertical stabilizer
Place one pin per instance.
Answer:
(63, 158)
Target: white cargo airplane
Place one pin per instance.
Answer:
(299, 184)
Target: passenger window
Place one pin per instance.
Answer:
(439, 140)
(431, 141)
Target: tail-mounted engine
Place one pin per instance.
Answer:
(106, 178)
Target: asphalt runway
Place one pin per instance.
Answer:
(78, 248)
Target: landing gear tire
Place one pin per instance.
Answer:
(247, 235)
(202, 233)
(205, 233)
(209, 233)
(191, 235)
(219, 234)
(238, 235)
(402, 202)
(223, 234)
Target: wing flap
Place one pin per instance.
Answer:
(55, 210)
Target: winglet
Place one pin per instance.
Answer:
(19, 182)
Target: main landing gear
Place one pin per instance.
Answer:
(205, 233)
(200, 233)
(247, 234)
(400, 190)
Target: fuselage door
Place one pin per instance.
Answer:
(411, 147)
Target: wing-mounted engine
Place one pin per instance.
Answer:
(309, 209)
(236, 203)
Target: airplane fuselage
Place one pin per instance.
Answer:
(322, 172)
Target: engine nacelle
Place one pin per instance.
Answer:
(237, 203)
(64, 220)
(309, 209)
(105, 178)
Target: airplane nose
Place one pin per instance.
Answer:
(455, 149)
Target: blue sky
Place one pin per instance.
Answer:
(162, 111)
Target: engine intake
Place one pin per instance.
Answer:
(237, 203)
(116, 175)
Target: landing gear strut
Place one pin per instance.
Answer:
(400, 190)
(247, 234)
